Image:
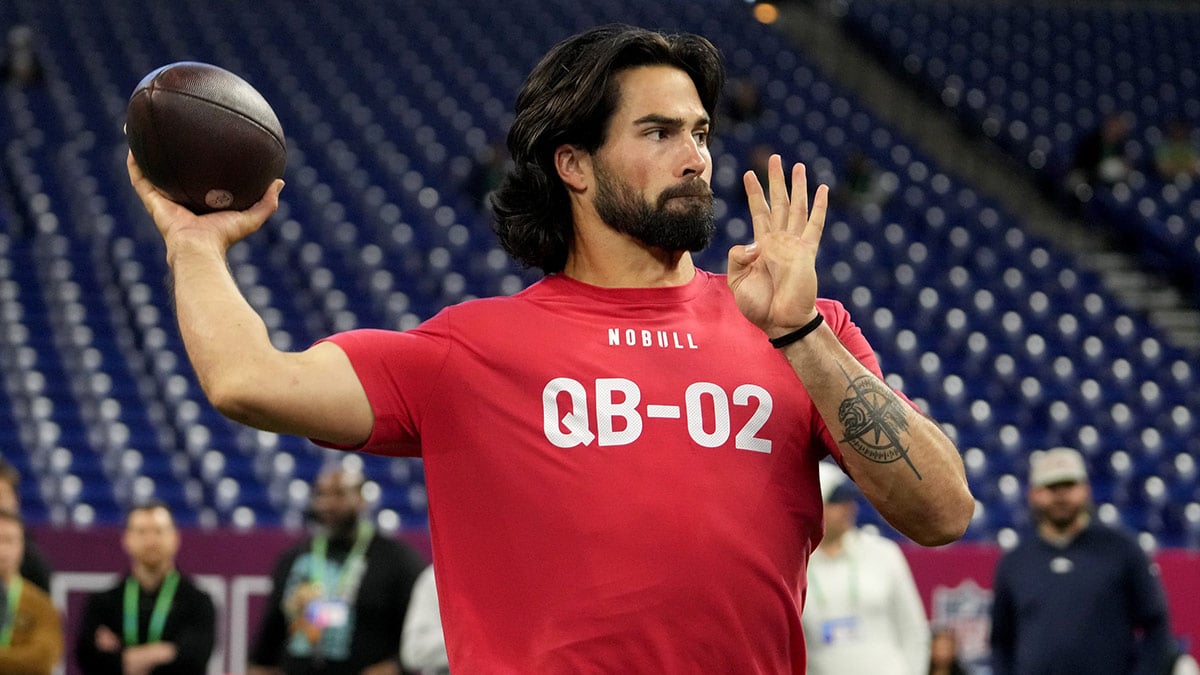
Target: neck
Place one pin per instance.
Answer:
(603, 257)
(347, 531)
(150, 578)
(833, 545)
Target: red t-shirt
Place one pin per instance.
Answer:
(620, 480)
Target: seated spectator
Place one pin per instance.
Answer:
(1102, 156)
(491, 162)
(21, 64)
(744, 102)
(1177, 154)
(757, 159)
(862, 184)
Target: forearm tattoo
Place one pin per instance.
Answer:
(874, 421)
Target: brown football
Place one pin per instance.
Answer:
(204, 136)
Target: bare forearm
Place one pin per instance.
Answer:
(223, 334)
(908, 469)
(313, 393)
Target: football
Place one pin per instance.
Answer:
(204, 136)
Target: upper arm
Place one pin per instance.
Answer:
(315, 393)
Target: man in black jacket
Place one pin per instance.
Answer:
(339, 598)
(1078, 596)
(155, 621)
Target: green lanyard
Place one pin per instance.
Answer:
(852, 582)
(320, 546)
(10, 613)
(158, 618)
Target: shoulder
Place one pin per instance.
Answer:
(284, 562)
(189, 587)
(397, 551)
(1019, 554)
(108, 595)
(36, 600)
(1106, 537)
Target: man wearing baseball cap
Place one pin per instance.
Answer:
(863, 614)
(1080, 596)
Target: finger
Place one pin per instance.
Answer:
(816, 220)
(798, 214)
(779, 194)
(268, 203)
(760, 212)
(150, 196)
(740, 256)
(136, 179)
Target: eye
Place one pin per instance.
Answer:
(701, 137)
(656, 134)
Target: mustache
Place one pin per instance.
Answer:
(695, 187)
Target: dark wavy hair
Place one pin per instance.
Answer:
(569, 98)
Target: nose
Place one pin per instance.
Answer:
(695, 157)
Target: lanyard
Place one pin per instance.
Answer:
(158, 617)
(10, 613)
(852, 583)
(320, 546)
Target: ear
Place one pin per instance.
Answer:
(574, 166)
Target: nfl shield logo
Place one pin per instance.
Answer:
(967, 610)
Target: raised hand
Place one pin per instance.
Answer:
(225, 227)
(774, 279)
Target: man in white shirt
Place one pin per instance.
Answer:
(422, 643)
(863, 614)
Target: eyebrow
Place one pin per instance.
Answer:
(677, 122)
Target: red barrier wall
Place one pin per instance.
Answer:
(955, 581)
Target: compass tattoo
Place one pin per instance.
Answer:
(874, 421)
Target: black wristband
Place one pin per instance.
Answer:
(798, 334)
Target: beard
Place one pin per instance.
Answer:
(681, 219)
(1062, 516)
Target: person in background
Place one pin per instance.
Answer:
(943, 653)
(1078, 596)
(339, 598)
(31, 633)
(21, 64)
(1177, 154)
(863, 613)
(862, 184)
(1103, 155)
(155, 620)
(423, 645)
(34, 567)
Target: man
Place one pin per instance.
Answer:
(154, 621)
(338, 599)
(423, 643)
(863, 613)
(31, 634)
(34, 567)
(1080, 597)
(621, 459)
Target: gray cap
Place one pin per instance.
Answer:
(1056, 465)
